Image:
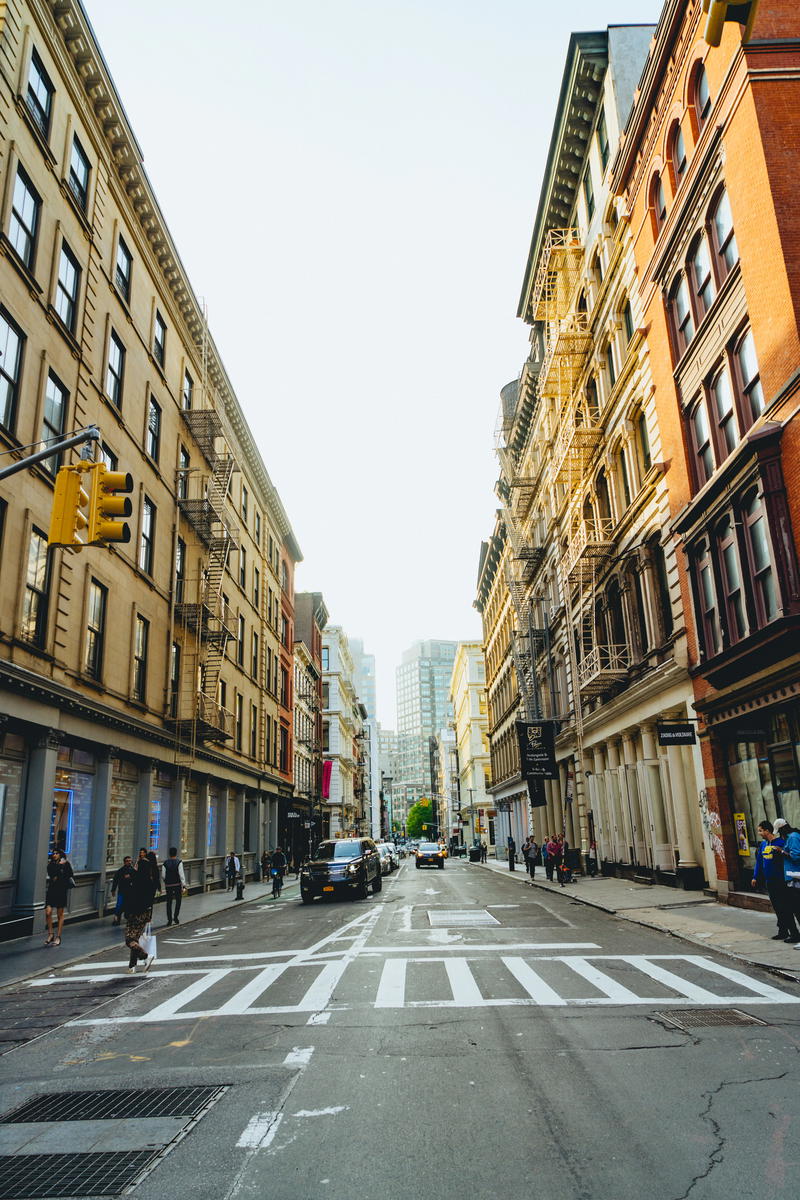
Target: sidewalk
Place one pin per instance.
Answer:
(25, 957)
(739, 933)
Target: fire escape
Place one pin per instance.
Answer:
(200, 608)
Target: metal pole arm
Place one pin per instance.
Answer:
(91, 434)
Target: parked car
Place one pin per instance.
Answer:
(395, 853)
(342, 866)
(430, 854)
(387, 866)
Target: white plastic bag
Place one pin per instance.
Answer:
(148, 942)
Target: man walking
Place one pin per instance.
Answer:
(121, 880)
(531, 854)
(231, 870)
(174, 882)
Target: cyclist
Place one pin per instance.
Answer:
(278, 865)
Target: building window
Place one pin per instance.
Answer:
(11, 343)
(123, 270)
(284, 693)
(40, 95)
(588, 194)
(284, 759)
(239, 721)
(37, 580)
(662, 589)
(678, 154)
(731, 579)
(623, 477)
(325, 658)
(174, 678)
(284, 577)
(245, 499)
(707, 597)
(140, 643)
(243, 568)
(115, 371)
(702, 277)
(95, 629)
(183, 473)
(759, 558)
(702, 96)
(79, 172)
(724, 238)
(54, 418)
(254, 670)
(153, 442)
(681, 314)
(26, 206)
(258, 529)
(180, 570)
(256, 586)
(188, 391)
(724, 414)
(67, 285)
(147, 539)
(749, 378)
(284, 631)
(253, 731)
(610, 367)
(643, 440)
(658, 201)
(602, 139)
(703, 449)
(160, 339)
(240, 642)
(108, 457)
(627, 321)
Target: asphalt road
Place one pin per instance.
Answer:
(456, 1034)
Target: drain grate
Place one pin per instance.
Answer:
(695, 1018)
(108, 1105)
(32, 1176)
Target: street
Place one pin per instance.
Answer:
(458, 1033)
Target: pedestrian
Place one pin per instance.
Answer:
(121, 880)
(591, 859)
(790, 851)
(769, 870)
(232, 866)
(174, 880)
(265, 866)
(553, 856)
(60, 878)
(139, 909)
(532, 855)
(484, 852)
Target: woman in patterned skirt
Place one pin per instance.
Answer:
(139, 907)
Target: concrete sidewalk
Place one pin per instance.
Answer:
(26, 957)
(738, 932)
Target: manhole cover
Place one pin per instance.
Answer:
(116, 1105)
(693, 1018)
(467, 916)
(27, 1176)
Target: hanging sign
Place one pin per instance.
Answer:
(537, 749)
(677, 733)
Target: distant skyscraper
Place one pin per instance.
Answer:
(364, 676)
(423, 710)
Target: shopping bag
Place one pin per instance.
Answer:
(148, 942)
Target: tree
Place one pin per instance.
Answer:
(419, 814)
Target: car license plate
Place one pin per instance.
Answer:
(328, 887)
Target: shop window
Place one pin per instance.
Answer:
(121, 812)
(11, 769)
(71, 815)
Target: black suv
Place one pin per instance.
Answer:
(342, 865)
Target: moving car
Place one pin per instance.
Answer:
(342, 866)
(430, 854)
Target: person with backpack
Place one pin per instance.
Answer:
(278, 865)
(174, 880)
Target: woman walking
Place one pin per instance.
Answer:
(139, 908)
(59, 874)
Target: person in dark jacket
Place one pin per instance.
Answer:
(120, 881)
(59, 874)
(139, 908)
(790, 853)
(174, 883)
(769, 871)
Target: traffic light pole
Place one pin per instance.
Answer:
(90, 434)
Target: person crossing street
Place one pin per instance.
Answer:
(174, 880)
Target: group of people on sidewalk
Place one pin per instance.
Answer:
(551, 853)
(778, 868)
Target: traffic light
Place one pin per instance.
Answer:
(108, 504)
(69, 520)
(721, 11)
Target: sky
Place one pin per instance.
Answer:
(352, 185)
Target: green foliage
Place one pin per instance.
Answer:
(419, 814)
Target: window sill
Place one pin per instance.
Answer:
(40, 139)
(20, 267)
(755, 653)
(79, 211)
(67, 334)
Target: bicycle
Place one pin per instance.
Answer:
(277, 882)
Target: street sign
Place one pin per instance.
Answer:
(677, 733)
(293, 816)
(537, 749)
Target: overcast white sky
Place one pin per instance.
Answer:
(352, 185)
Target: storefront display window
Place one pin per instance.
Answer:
(213, 823)
(189, 803)
(158, 818)
(121, 812)
(71, 820)
(10, 791)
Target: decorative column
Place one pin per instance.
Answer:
(655, 798)
(144, 798)
(238, 821)
(615, 806)
(201, 831)
(98, 831)
(223, 835)
(689, 871)
(36, 820)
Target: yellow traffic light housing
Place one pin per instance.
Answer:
(721, 11)
(69, 520)
(107, 505)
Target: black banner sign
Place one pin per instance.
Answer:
(536, 793)
(677, 733)
(537, 749)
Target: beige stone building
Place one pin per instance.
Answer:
(471, 732)
(139, 685)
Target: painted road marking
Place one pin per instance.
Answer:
(444, 918)
(298, 1056)
(260, 1130)
(539, 991)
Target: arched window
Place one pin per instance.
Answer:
(750, 380)
(638, 616)
(616, 620)
(678, 153)
(725, 247)
(643, 442)
(724, 411)
(600, 629)
(703, 285)
(592, 403)
(611, 369)
(624, 479)
(603, 498)
(627, 321)
(702, 96)
(681, 313)
(665, 618)
(658, 202)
